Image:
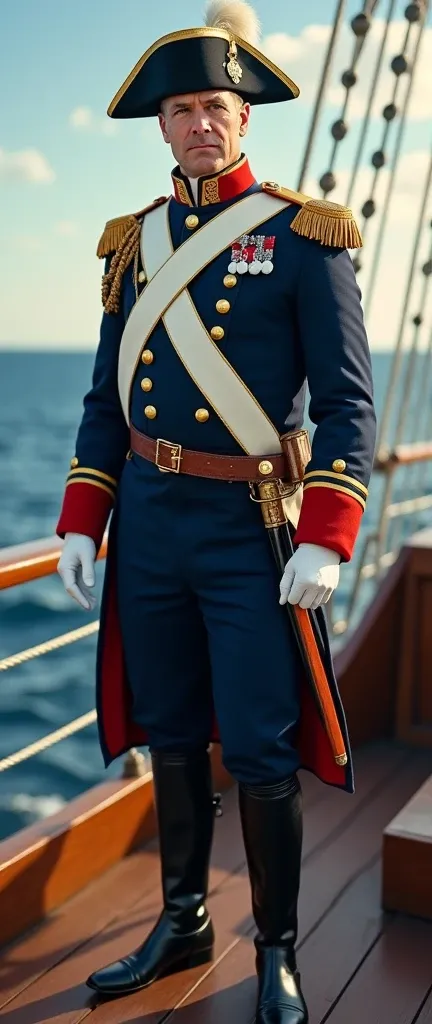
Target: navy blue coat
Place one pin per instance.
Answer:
(301, 324)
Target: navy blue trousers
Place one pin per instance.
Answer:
(201, 625)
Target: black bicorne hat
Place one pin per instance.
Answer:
(196, 60)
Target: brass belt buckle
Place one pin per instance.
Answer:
(175, 455)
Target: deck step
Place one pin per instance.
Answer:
(407, 857)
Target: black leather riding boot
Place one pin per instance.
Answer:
(272, 826)
(183, 935)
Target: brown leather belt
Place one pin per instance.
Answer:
(170, 457)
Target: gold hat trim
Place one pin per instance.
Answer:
(197, 33)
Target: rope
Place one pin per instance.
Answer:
(368, 111)
(398, 350)
(391, 181)
(66, 730)
(360, 27)
(49, 645)
(48, 741)
(337, 25)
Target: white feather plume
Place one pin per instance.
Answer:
(234, 16)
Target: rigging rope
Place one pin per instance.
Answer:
(48, 741)
(373, 274)
(337, 25)
(368, 111)
(47, 646)
(397, 351)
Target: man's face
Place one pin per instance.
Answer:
(204, 130)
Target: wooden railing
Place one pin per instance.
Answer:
(24, 562)
(387, 461)
(21, 564)
(403, 455)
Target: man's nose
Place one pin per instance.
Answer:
(200, 124)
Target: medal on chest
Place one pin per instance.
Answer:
(252, 254)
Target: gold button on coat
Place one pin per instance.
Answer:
(339, 466)
(74, 462)
(192, 221)
(217, 333)
(202, 415)
(146, 384)
(147, 357)
(230, 281)
(150, 412)
(223, 306)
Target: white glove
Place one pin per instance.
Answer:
(76, 568)
(310, 577)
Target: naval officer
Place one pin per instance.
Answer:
(222, 300)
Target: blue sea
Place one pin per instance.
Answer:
(40, 407)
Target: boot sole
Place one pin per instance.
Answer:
(205, 956)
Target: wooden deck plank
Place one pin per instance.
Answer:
(358, 841)
(66, 930)
(407, 857)
(326, 876)
(378, 764)
(145, 879)
(230, 909)
(332, 953)
(61, 992)
(386, 990)
(102, 902)
(86, 914)
(425, 1016)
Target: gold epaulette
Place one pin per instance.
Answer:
(320, 219)
(114, 233)
(116, 230)
(121, 237)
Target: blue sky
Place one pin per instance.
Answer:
(65, 167)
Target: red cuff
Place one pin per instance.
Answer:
(85, 509)
(331, 519)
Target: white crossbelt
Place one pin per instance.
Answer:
(166, 296)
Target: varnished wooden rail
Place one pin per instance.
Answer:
(24, 562)
(403, 455)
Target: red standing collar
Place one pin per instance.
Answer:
(214, 188)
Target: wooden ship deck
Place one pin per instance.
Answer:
(82, 887)
(358, 962)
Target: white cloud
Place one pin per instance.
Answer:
(302, 58)
(84, 119)
(25, 165)
(66, 228)
(81, 117)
